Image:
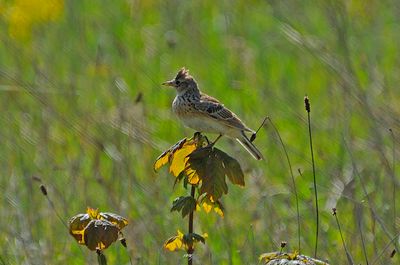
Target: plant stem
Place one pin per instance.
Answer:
(101, 259)
(349, 258)
(308, 109)
(293, 182)
(394, 180)
(190, 248)
(384, 250)
(359, 225)
(369, 201)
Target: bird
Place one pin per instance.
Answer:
(204, 113)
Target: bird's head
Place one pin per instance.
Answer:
(182, 82)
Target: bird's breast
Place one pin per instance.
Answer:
(181, 106)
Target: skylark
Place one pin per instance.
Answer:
(206, 114)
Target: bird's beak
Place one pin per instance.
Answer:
(169, 83)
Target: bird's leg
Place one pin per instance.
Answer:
(215, 141)
(197, 135)
(208, 141)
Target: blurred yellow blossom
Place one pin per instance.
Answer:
(23, 15)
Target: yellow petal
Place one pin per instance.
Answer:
(93, 213)
(207, 207)
(162, 160)
(179, 158)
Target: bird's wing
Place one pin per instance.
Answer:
(212, 108)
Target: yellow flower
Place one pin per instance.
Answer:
(23, 15)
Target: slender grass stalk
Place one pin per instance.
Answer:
(293, 182)
(348, 255)
(253, 137)
(308, 109)
(369, 201)
(359, 224)
(252, 243)
(190, 248)
(43, 189)
(391, 242)
(123, 243)
(394, 180)
(44, 192)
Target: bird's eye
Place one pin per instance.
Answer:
(177, 82)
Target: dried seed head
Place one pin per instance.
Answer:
(333, 211)
(283, 244)
(43, 189)
(139, 97)
(307, 103)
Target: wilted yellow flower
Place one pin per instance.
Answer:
(95, 229)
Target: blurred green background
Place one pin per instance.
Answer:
(81, 108)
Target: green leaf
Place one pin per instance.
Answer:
(196, 164)
(185, 204)
(190, 239)
(214, 184)
(211, 165)
(180, 177)
(212, 176)
(232, 168)
(197, 238)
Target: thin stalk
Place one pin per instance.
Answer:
(123, 243)
(348, 255)
(391, 242)
(369, 201)
(394, 180)
(359, 224)
(190, 248)
(293, 182)
(43, 190)
(308, 109)
(101, 258)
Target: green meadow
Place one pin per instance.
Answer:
(83, 113)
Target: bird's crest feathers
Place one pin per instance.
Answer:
(183, 74)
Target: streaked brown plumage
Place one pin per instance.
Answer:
(206, 114)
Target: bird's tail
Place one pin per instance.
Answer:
(249, 146)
